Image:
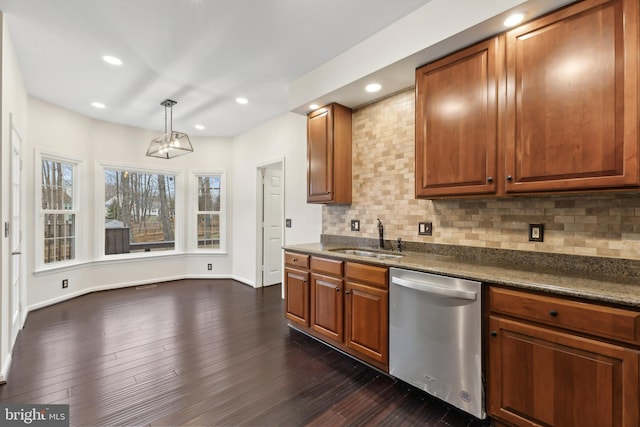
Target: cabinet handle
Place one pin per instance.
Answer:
(304, 280)
(509, 178)
(553, 313)
(347, 292)
(493, 333)
(337, 289)
(295, 260)
(490, 179)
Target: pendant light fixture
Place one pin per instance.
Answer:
(172, 143)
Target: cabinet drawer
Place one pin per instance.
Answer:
(296, 260)
(367, 274)
(603, 321)
(328, 266)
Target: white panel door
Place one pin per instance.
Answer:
(272, 227)
(16, 233)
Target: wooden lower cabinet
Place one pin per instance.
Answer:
(296, 298)
(326, 307)
(367, 320)
(541, 376)
(348, 308)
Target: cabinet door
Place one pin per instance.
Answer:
(326, 306)
(367, 321)
(572, 99)
(329, 168)
(538, 376)
(456, 123)
(296, 296)
(320, 155)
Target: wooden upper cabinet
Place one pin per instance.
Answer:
(329, 155)
(572, 99)
(456, 122)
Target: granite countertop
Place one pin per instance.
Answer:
(604, 288)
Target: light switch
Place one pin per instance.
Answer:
(425, 228)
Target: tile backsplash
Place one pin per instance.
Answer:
(603, 224)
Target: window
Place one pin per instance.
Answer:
(58, 210)
(139, 211)
(209, 211)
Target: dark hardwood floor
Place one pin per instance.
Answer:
(201, 352)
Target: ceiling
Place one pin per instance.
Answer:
(201, 53)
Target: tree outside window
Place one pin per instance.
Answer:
(208, 213)
(58, 211)
(139, 211)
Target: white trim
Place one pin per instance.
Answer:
(192, 211)
(243, 280)
(260, 168)
(78, 169)
(114, 286)
(4, 373)
(100, 210)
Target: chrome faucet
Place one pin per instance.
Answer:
(381, 233)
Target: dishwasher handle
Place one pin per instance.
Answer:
(433, 289)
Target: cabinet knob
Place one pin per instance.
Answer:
(337, 289)
(347, 292)
(295, 260)
(490, 179)
(553, 313)
(493, 333)
(509, 178)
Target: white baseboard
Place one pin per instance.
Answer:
(5, 369)
(124, 285)
(243, 280)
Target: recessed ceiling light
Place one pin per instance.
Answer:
(98, 105)
(199, 127)
(242, 100)
(112, 60)
(513, 20)
(314, 106)
(373, 87)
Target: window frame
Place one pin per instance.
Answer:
(194, 211)
(101, 211)
(39, 227)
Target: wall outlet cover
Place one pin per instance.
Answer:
(65, 283)
(536, 232)
(425, 228)
(287, 223)
(355, 225)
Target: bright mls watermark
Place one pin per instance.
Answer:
(34, 415)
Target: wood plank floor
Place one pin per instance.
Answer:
(201, 352)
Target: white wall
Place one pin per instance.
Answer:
(56, 130)
(14, 103)
(284, 137)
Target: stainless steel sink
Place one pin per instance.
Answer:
(369, 254)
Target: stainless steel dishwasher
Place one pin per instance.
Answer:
(435, 337)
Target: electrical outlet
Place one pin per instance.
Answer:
(209, 267)
(355, 225)
(65, 283)
(425, 229)
(536, 232)
(287, 223)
